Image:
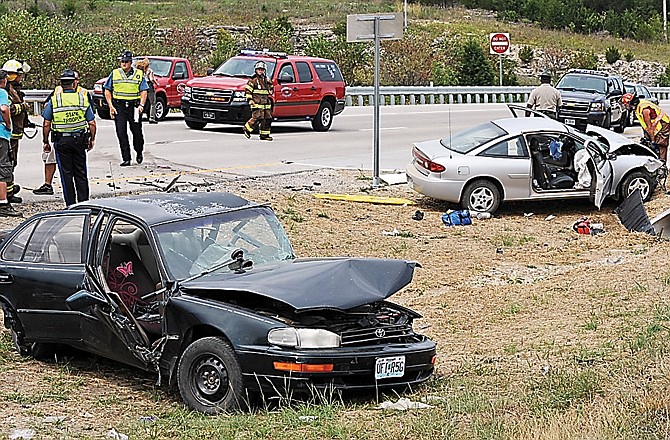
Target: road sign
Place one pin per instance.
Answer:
(361, 27)
(499, 43)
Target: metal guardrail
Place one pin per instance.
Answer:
(410, 95)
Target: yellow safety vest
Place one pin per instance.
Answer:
(69, 111)
(643, 104)
(124, 87)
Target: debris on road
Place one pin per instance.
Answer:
(418, 215)
(392, 233)
(633, 216)
(366, 199)
(459, 217)
(403, 404)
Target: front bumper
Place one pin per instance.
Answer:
(353, 368)
(232, 113)
(581, 120)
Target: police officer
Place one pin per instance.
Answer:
(19, 110)
(68, 117)
(126, 93)
(259, 91)
(545, 98)
(654, 121)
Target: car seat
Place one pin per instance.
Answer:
(127, 275)
(546, 178)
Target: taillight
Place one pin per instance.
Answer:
(426, 163)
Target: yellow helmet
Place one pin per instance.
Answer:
(13, 66)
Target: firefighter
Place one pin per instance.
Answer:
(654, 121)
(259, 94)
(19, 110)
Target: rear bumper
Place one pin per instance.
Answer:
(432, 185)
(339, 106)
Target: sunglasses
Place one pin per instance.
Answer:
(125, 62)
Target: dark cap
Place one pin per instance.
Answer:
(68, 75)
(126, 55)
(3, 74)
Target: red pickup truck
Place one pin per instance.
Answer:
(305, 89)
(171, 73)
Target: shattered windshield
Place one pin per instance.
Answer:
(243, 67)
(195, 245)
(467, 140)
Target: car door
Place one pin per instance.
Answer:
(614, 94)
(309, 90)
(286, 96)
(602, 173)
(42, 264)
(174, 89)
(509, 162)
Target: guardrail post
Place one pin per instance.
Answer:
(422, 99)
(412, 99)
(392, 100)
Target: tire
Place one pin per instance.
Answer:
(103, 112)
(36, 350)
(621, 126)
(324, 117)
(161, 108)
(481, 196)
(195, 125)
(607, 123)
(638, 180)
(209, 376)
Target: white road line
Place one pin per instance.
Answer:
(176, 142)
(383, 128)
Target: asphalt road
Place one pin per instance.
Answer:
(221, 151)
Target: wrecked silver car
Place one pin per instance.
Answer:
(205, 290)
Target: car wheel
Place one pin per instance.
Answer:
(607, 123)
(209, 376)
(638, 180)
(324, 117)
(103, 112)
(161, 108)
(36, 350)
(481, 196)
(196, 125)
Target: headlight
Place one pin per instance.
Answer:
(239, 96)
(187, 92)
(597, 106)
(303, 338)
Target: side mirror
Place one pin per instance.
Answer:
(210, 71)
(84, 299)
(178, 75)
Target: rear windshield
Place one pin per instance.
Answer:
(327, 72)
(467, 140)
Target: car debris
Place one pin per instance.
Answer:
(418, 215)
(403, 404)
(634, 218)
(366, 199)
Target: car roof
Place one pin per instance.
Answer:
(159, 208)
(286, 57)
(159, 57)
(523, 125)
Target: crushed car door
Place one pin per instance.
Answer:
(602, 173)
(42, 265)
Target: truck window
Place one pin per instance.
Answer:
(327, 72)
(286, 73)
(304, 72)
(160, 67)
(180, 71)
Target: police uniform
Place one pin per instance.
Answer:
(545, 99)
(259, 91)
(126, 92)
(71, 116)
(662, 129)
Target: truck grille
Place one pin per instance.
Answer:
(397, 333)
(211, 95)
(575, 108)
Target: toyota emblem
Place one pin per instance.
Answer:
(380, 333)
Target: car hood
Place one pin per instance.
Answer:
(616, 141)
(320, 283)
(574, 95)
(219, 82)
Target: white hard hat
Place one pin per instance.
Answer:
(13, 66)
(260, 65)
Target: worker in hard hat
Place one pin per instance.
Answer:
(18, 108)
(259, 92)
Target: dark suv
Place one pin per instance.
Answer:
(592, 97)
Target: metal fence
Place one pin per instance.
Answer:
(411, 95)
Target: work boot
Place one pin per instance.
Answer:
(6, 210)
(125, 163)
(153, 121)
(140, 158)
(246, 132)
(16, 189)
(44, 190)
(266, 138)
(14, 199)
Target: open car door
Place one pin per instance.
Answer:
(602, 173)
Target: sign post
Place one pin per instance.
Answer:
(499, 44)
(375, 27)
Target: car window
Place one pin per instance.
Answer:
(582, 83)
(180, 69)
(630, 88)
(14, 249)
(467, 140)
(514, 147)
(645, 92)
(56, 240)
(304, 72)
(286, 73)
(160, 67)
(327, 72)
(243, 67)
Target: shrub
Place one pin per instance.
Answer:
(443, 74)
(628, 56)
(354, 60)
(612, 55)
(555, 60)
(406, 62)
(526, 54)
(473, 66)
(274, 35)
(584, 59)
(69, 8)
(664, 79)
(226, 47)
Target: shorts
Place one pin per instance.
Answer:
(6, 165)
(50, 157)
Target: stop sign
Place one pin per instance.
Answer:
(499, 43)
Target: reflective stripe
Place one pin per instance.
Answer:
(126, 88)
(264, 132)
(650, 105)
(261, 106)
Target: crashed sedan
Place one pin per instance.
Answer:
(531, 158)
(205, 290)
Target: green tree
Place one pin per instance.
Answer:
(354, 59)
(226, 47)
(473, 66)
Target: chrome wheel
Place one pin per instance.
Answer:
(325, 116)
(482, 199)
(639, 183)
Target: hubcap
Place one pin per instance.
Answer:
(325, 117)
(481, 199)
(160, 110)
(209, 379)
(640, 184)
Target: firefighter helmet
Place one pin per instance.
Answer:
(260, 65)
(13, 66)
(627, 98)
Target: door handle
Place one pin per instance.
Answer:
(295, 89)
(312, 88)
(6, 278)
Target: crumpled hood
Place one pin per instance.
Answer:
(219, 82)
(323, 283)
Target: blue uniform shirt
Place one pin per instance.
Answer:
(4, 100)
(48, 113)
(109, 85)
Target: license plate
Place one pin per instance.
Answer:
(208, 115)
(390, 367)
(570, 122)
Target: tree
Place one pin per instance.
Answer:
(473, 66)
